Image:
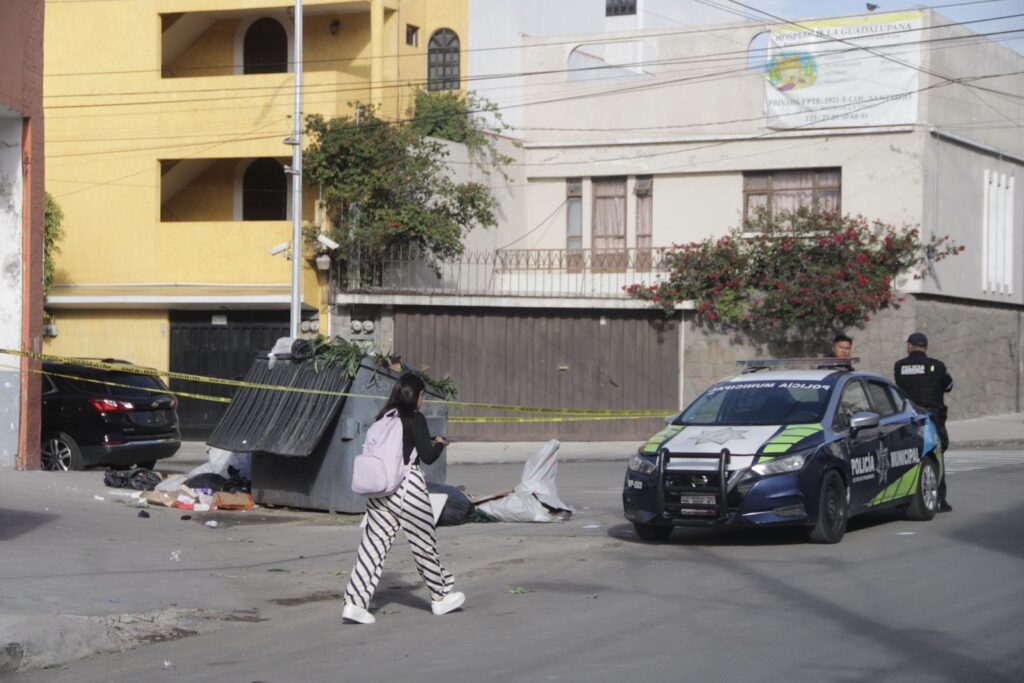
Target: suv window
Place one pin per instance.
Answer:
(881, 398)
(853, 400)
(138, 383)
(48, 386)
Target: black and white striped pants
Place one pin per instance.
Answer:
(383, 518)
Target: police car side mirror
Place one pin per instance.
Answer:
(863, 421)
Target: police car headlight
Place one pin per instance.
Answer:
(789, 463)
(639, 463)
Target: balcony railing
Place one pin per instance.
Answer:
(587, 273)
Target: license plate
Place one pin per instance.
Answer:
(697, 500)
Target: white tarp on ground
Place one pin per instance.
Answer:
(535, 498)
(853, 71)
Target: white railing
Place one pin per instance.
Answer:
(507, 272)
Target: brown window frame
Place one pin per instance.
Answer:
(818, 186)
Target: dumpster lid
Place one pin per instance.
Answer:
(282, 422)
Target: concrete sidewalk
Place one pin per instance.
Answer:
(998, 431)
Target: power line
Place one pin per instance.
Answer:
(704, 76)
(697, 59)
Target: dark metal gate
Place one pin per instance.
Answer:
(551, 359)
(217, 344)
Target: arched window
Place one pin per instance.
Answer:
(443, 60)
(266, 48)
(264, 192)
(757, 52)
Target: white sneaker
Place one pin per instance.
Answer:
(357, 614)
(452, 601)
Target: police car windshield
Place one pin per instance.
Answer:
(759, 403)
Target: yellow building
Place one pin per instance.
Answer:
(166, 126)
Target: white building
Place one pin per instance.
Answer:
(640, 138)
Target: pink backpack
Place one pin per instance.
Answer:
(379, 470)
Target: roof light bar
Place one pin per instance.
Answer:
(757, 364)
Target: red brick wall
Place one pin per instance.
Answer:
(21, 89)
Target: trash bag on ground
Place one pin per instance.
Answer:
(234, 467)
(139, 479)
(535, 498)
(456, 509)
(207, 480)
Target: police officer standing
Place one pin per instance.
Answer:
(925, 380)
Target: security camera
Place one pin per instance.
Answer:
(278, 248)
(327, 242)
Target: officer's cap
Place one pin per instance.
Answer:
(918, 339)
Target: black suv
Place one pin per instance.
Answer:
(128, 419)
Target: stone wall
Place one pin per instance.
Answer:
(981, 345)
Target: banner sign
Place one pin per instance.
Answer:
(834, 73)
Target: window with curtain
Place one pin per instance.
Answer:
(265, 50)
(609, 224)
(789, 190)
(644, 221)
(443, 60)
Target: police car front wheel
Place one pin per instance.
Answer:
(833, 507)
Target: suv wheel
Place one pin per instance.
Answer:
(652, 532)
(832, 511)
(926, 498)
(59, 452)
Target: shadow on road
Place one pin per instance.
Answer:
(14, 523)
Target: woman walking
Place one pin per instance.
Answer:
(408, 508)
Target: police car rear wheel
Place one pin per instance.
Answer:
(651, 532)
(926, 500)
(832, 511)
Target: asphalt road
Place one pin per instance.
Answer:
(586, 601)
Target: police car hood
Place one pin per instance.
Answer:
(746, 443)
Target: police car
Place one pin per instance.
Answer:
(786, 443)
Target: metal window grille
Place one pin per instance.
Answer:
(615, 8)
(443, 60)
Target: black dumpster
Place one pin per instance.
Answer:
(303, 444)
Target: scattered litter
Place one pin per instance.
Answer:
(98, 498)
(212, 524)
(168, 665)
(279, 570)
(186, 518)
(160, 498)
(139, 479)
(233, 501)
(200, 507)
(176, 555)
(143, 514)
(591, 526)
(535, 499)
(905, 533)
(518, 590)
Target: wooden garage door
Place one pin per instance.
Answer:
(545, 358)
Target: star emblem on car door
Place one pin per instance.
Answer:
(720, 436)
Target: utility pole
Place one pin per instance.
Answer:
(296, 173)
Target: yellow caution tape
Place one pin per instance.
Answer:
(186, 377)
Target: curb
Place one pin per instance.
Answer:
(33, 642)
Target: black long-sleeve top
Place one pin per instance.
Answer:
(416, 434)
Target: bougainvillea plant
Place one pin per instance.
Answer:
(809, 270)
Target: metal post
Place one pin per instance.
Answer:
(296, 308)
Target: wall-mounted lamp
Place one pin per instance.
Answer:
(335, 25)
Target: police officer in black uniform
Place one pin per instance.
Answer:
(925, 380)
